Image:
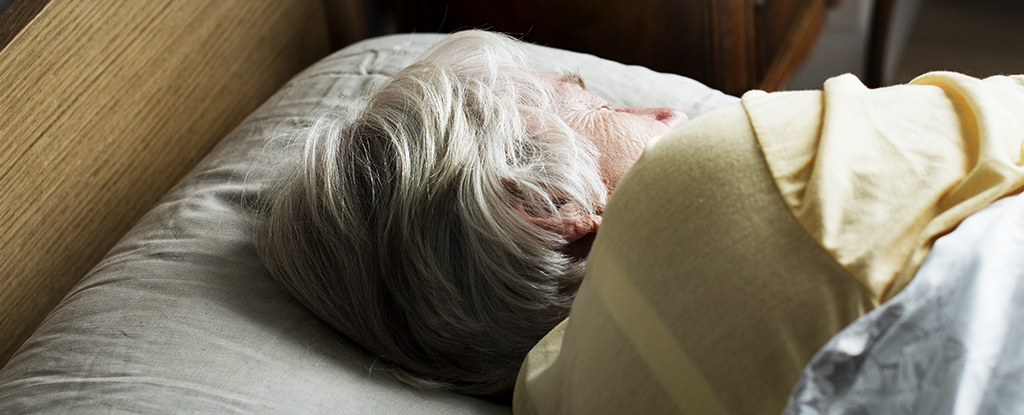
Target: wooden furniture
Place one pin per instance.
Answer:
(105, 104)
(731, 45)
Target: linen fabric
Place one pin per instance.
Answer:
(950, 343)
(181, 316)
(892, 169)
(703, 294)
(739, 244)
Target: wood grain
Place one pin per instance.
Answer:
(104, 105)
(18, 14)
(664, 35)
(731, 33)
(731, 45)
(346, 21)
(791, 32)
(881, 27)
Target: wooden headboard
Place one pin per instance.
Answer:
(730, 45)
(106, 104)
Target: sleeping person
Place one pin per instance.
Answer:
(739, 244)
(446, 227)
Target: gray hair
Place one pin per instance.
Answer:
(406, 229)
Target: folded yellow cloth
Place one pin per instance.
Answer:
(894, 168)
(740, 243)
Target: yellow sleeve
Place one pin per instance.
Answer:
(739, 244)
(703, 294)
(893, 169)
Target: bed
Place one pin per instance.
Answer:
(179, 314)
(138, 138)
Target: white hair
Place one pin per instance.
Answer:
(405, 228)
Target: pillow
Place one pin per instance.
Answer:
(181, 316)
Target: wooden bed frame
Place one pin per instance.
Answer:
(105, 104)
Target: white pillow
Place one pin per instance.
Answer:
(182, 317)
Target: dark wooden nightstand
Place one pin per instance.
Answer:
(731, 45)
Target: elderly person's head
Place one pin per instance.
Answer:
(445, 228)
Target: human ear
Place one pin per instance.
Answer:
(671, 117)
(570, 223)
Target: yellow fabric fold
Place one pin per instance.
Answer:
(892, 169)
(703, 293)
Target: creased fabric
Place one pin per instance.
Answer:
(950, 343)
(894, 168)
(703, 294)
(740, 243)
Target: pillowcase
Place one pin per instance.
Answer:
(181, 315)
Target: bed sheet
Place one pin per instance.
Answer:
(951, 343)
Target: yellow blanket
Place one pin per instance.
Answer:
(740, 243)
(892, 169)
